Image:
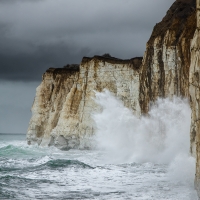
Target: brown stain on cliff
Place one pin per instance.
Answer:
(180, 24)
(65, 93)
(55, 85)
(133, 63)
(181, 17)
(75, 101)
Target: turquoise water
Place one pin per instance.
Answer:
(31, 172)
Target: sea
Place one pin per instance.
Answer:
(131, 157)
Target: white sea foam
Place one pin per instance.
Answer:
(28, 168)
(162, 137)
(146, 158)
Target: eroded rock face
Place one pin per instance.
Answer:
(165, 68)
(195, 98)
(64, 101)
(49, 100)
(195, 103)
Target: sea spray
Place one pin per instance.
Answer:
(49, 173)
(161, 137)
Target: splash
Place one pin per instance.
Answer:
(161, 137)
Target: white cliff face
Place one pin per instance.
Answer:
(165, 68)
(64, 118)
(163, 75)
(194, 89)
(195, 103)
(48, 103)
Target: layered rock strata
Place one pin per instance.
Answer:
(64, 101)
(48, 104)
(195, 97)
(171, 66)
(195, 103)
(165, 68)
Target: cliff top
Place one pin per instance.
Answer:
(63, 70)
(137, 61)
(180, 15)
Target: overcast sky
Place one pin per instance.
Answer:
(38, 34)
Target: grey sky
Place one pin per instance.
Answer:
(38, 34)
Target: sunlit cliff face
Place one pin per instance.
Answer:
(64, 100)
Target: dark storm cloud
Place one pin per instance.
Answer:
(30, 67)
(36, 35)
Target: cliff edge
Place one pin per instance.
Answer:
(64, 100)
(165, 68)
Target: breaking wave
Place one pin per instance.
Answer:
(161, 137)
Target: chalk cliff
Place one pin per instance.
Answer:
(195, 103)
(165, 68)
(195, 97)
(170, 66)
(64, 101)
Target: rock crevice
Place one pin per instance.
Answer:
(64, 100)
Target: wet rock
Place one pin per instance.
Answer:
(61, 143)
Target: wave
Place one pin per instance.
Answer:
(161, 137)
(51, 164)
(11, 179)
(11, 185)
(12, 150)
(61, 163)
(158, 137)
(16, 149)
